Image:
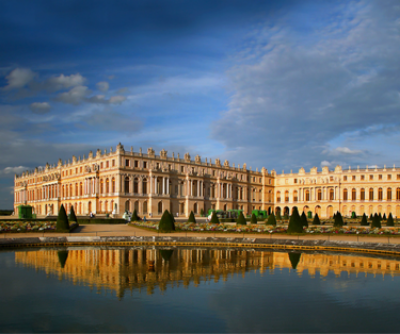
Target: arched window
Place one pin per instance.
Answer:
(380, 194)
(389, 194)
(278, 196)
(159, 207)
(137, 206)
(136, 185)
(113, 185)
(362, 194)
(353, 194)
(345, 194)
(80, 189)
(127, 185)
(295, 196)
(101, 186)
(144, 185)
(286, 196)
(63, 191)
(371, 194)
(107, 186)
(307, 195)
(397, 194)
(76, 189)
(144, 207)
(331, 194)
(319, 195)
(70, 190)
(195, 208)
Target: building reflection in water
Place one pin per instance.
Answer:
(121, 270)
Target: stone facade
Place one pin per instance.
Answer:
(119, 180)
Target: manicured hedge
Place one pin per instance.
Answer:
(6, 212)
(52, 219)
(101, 221)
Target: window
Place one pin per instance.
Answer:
(371, 194)
(113, 162)
(345, 194)
(136, 164)
(319, 195)
(389, 194)
(295, 196)
(270, 181)
(80, 170)
(144, 164)
(398, 176)
(344, 178)
(371, 177)
(278, 196)
(331, 195)
(307, 195)
(76, 170)
(380, 176)
(389, 177)
(63, 175)
(183, 170)
(260, 180)
(101, 165)
(362, 194)
(286, 196)
(380, 194)
(331, 178)
(126, 162)
(213, 172)
(362, 177)
(353, 178)
(398, 194)
(107, 164)
(295, 180)
(353, 194)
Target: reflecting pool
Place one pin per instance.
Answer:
(132, 289)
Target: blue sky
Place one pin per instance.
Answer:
(279, 84)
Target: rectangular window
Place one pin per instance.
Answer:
(136, 164)
(260, 179)
(113, 163)
(101, 165)
(107, 164)
(126, 162)
(213, 172)
(144, 164)
(295, 181)
(362, 177)
(80, 170)
(76, 170)
(344, 178)
(182, 169)
(158, 165)
(270, 181)
(389, 177)
(354, 178)
(380, 176)
(62, 173)
(371, 177)
(398, 176)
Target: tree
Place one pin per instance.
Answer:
(62, 220)
(304, 219)
(390, 221)
(135, 216)
(316, 220)
(72, 216)
(191, 218)
(376, 222)
(201, 212)
(380, 216)
(338, 220)
(172, 217)
(62, 257)
(241, 220)
(364, 221)
(294, 259)
(278, 215)
(253, 219)
(214, 218)
(384, 217)
(371, 217)
(295, 223)
(271, 220)
(166, 223)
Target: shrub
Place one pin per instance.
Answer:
(214, 218)
(376, 222)
(384, 216)
(316, 220)
(172, 217)
(364, 221)
(253, 219)
(166, 223)
(304, 219)
(294, 259)
(371, 217)
(271, 220)
(278, 215)
(338, 220)
(166, 253)
(72, 216)
(241, 220)
(390, 221)
(191, 218)
(201, 212)
(101, 221)
(62, 220)
(295, 223)
(62, 257)
(135, 216)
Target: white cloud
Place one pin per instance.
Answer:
(65, 81)
(117, 99)
(74, 96)
(325, 163)
(40, 107)
(14, 170)
(19, 78)
(341, 151)
(103, 86)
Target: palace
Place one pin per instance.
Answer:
(115, 181)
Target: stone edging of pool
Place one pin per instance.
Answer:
(252, 243)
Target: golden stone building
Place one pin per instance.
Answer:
(116, 181)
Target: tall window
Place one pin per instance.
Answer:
(345, 194)
(295, 196)
(307, 195)
(107, 186)
(362, 194)
(278, 196)
(398, 194)
(136, 185)
(101, 186)
(353, 194)
(319, 195)
(331, 194)
(113, 185)
(380, 194)
(286, 196)
(389, 194)
(371, 194)
(127, 185)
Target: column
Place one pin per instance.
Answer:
(163, 185)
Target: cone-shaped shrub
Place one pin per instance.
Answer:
(384, 216)
(295, 223)
(271, 220)
(166, 253)
(191, 218)
(135, 216)
(214, 218)
(253, 219)
(201, 212)
(338, 220)
(172, 217)
(380, 216)
(371, 217)
(364, 221)
(241, 220)
(294, 259)
(166, 223)
(334, 216)
(62, 257)
(316, 220)
(72, 216)
(304, 219)
(62, 220)
(278, 215)
(376, 222)
(390, 221)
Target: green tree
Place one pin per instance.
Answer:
(72, 216)
(338, 220)
(278, 215)
(271, 220)
(380, 216)
(241, 220)
(172, 217)
(316, 220)
(295, 223)
(390, 221)
(364, 221)
(371, 217)
(384, 217)
(166, 223)
(253, 219)
(304, 219)
(62, 220)
(191, 218)
(135, 216)
(214, 218)
(376, 222)
(201, 212)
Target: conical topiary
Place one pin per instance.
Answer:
(338, 220)
(241, 220)
(384, 217)
(376, 222)
(72, 216)
(166, 253)
(316, 220)
(271, 220)
(62, 220)
(214, 218)
(371, 217)
(364, 221)
(278, 215)
(172, 217)
(390, 221)
(334, 216)
(62, 257)
(253, 219)
(135, 216)
(191, 218)
(304, 219)
(295, 223)
(166, 223)
(294, 259)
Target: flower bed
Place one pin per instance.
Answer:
(208, 227)
(26, 226)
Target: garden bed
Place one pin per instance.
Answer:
(101, 221)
